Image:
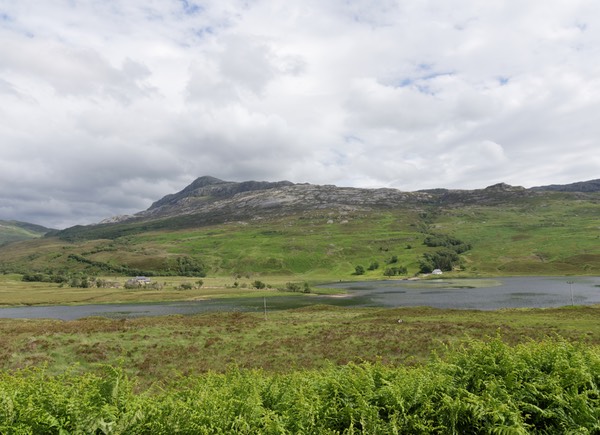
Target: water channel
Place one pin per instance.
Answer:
(479, 294)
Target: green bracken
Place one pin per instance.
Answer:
(484, 387)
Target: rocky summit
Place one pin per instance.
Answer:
(209, 200)
(211, 197)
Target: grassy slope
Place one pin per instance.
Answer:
(557, 237)
(549, 235)
(12, 231)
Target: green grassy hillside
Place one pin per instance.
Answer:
(550, 234)
(12, 231)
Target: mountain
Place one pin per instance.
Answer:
(581, 186)
(252, 228)
(13, 231)
(209, 201)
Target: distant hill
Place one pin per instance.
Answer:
(13, 231)
(581, 186)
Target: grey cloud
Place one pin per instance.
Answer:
(107, 106)
(74, 71)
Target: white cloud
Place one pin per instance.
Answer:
(106, 106)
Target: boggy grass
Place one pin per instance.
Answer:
(157, 348)
(543, 387)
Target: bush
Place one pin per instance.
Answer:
(296, 287)
(57, 278)
(190, 266)
(292, 286)
(359, 270)
(444, 259)
(258, 284)
(394, 271)
(374, 265)
(392, 260)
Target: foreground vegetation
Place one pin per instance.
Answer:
(314, 370)
(158, 348)
(547, 387)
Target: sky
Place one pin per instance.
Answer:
(108, 105)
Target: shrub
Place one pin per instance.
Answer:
(359, 270)
(444, 259)
(374, 265)
(548, 387)
(394, 271)
(296, 287)
(392, 260)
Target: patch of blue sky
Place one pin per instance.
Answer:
(420, 82)
(204, 31)
(190, 7)
(351, 138)
(4, 17)
(503, 80)
(405, 82)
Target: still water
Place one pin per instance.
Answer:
(479, 294)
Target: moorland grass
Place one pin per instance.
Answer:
(156, 348)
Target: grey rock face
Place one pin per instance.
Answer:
(210, 200)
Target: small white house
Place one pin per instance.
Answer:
(139, 280)
(437, 272)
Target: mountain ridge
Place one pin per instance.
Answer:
(209, 200)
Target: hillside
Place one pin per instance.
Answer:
(209, 201)
(254, 228)
(12, 231)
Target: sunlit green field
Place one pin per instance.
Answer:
(15, 292)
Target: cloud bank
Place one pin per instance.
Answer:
(106, 106)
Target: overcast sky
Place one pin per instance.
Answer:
(108, 105)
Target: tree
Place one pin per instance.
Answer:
(258, 284)
(190, 266)
(396, 270)
(359, 270)
(443, 259)
(374, 265)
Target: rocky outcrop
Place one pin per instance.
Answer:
(213, 200)
(207, 188)
(207, 196)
